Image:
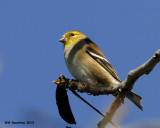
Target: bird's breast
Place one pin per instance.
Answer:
(85, 69)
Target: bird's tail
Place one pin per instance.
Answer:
(136, 99)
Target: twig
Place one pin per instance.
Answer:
(145, 68)
(115, 105)
(93, 107)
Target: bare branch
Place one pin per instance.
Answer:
(119, 92)
(145, 68)
(83, 87)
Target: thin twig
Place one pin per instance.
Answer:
(115, 105)
(93, 107)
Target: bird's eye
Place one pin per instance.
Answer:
(72, 34)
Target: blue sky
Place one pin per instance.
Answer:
(128, 33)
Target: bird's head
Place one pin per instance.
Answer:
(72, 37)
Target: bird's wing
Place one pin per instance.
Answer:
(98, 56)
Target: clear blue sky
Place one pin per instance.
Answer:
(128, 33)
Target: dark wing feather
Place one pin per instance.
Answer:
(102, 61)
(63, 105)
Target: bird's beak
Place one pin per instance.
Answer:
(62, 40)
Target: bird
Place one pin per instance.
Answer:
(86, 62)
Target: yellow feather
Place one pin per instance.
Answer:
(72, 40)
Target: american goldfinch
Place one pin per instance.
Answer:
(86, 63)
